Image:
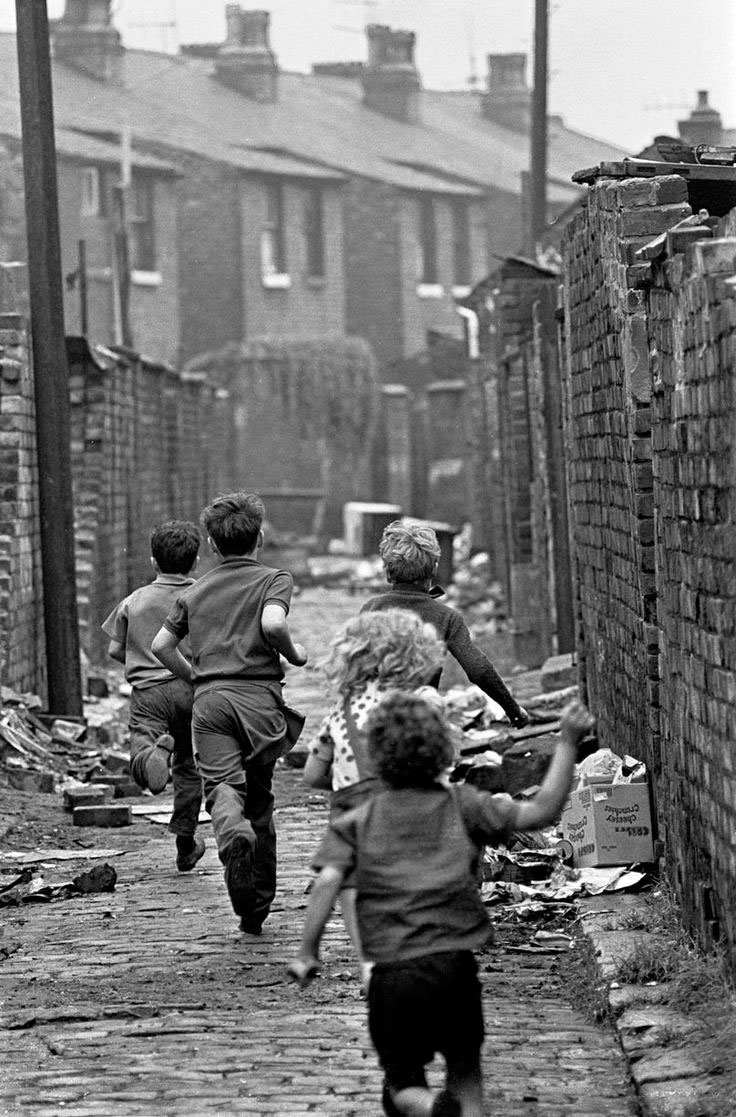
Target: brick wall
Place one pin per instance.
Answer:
(21, 595)
(312, 306)
(610, 466)
(208, 224)
(650, 349)
(373, 308)
(692, 333)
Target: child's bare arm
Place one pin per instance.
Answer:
(116, 650)
(276, 630)
(165, 648)
(318, 772)
(321, 902)
(545, 807)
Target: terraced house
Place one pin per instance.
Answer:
(269, 204)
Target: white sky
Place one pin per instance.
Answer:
(621, 70)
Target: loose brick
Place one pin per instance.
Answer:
(104, 816)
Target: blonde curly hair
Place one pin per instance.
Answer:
(393, 647)
(409, 551)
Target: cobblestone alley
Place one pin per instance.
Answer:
(148, 1000)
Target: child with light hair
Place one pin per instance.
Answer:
(410, 553)
(371, 655)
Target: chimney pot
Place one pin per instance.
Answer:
(704, 125)
(245, 61)
(508, 97)
(391, 82)
(85, 38)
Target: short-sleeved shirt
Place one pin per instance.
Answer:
(412, 854)
(136, 620)
(221, 615)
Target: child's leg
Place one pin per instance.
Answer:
(185, 778)
(465, 1082)
(184, 774)
(150, 741)
(350, 919)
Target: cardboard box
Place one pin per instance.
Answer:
(608, 824)
(364, 524)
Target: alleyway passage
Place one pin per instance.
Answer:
(149, 1001)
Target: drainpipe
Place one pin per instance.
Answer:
(472, 325)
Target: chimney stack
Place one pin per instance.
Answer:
(391, 82)
(246, 62)
(508, 98)
(704, 125)
(85, 39)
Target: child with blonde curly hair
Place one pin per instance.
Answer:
(372, 654)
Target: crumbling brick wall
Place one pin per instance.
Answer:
(22, 665)
(650, 353)
(692, 331)
(609, 454)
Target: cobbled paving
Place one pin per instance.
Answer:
(149, 1001)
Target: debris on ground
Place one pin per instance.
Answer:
(30, 887)
(39, 752)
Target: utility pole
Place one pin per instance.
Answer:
(51, 373)
(538, 185)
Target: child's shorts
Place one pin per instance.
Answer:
(422, 1007)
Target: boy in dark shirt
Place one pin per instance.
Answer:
(160, 721)
(235, 619)
(413, 849)
(411, 555)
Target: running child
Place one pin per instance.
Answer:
(160, 721)
(413, 848)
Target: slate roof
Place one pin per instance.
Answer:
(319, 128)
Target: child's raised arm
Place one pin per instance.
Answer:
(545, 807)
(321, 902)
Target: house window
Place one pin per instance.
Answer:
(273, 255)
(140, 224)
(427, 242)
(91, 192)
(314, 232)
(461, 242)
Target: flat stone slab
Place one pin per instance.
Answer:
(558, 672)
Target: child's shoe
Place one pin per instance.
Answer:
(240, 876)
(157, 763)
(446, 1105)
(250, 926)
(185, 862)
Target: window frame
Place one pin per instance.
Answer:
(428, 255)
(91, 192)
(273, 238)
(462, 262)
(314, 232)
(141, 222)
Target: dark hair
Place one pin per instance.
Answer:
(233, 521)
(174, 546)
(409, 740)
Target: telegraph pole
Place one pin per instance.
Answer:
(51, 374)
(538, 200)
